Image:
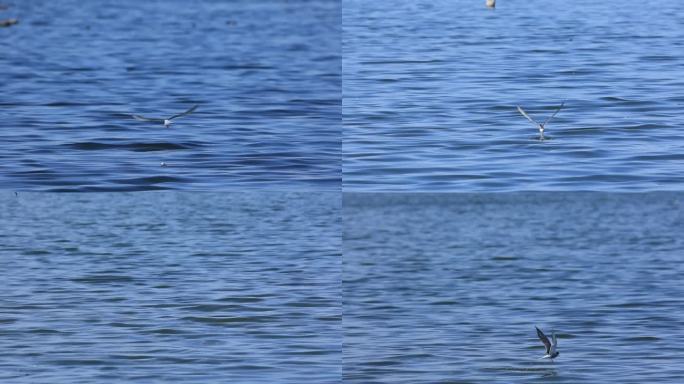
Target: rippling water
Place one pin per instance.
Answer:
(430, 89)
(448, 288)
(170, 287)
(266, 76)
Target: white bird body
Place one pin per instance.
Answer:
(166, 122)
(540, 126)
(550, 345)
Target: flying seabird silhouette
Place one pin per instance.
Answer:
(551, 352)
(540, 125)
(168, 121)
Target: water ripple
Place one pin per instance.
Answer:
(171, 286)
(433, 283)
(262, 73)
(430, 98)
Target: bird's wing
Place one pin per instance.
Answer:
(543, 339)
(553, 338)
(526, 116)
(554, 114)
(189, 111)
(143, 118)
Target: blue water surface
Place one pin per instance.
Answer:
(170, 287)
(431, 88)
(265, 74)
(447, 288)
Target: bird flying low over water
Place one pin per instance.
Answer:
(551, 352)
(541, 126)
(167, 121)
